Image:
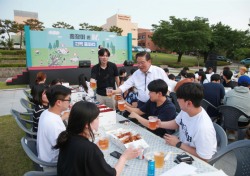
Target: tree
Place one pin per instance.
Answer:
(116, 29)
(87, 27)
(50, 46)
(226, 41)
(19, 28)
(8, 26)
(34, 24)
(62, 25)
(181, 35)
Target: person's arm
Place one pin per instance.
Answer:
(136, 110)
(140, 119)
(117, 91)
(129, 153)
(172, 125)
(173, 140)
(117, 81)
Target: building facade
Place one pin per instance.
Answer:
(123, 22)
(21, 16)
(144, 39)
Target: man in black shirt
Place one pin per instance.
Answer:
(158, 105)
(106, 75)
(227, 82)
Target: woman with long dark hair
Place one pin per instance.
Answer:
(41, 103)
(78, 154)
(85, 85)
(202, 77)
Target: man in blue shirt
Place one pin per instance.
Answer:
(158, 105)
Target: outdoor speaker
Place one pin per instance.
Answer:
(128, 63)
(84, 63)
(212, 64)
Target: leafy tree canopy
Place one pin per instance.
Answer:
(116, 29)
(181, 35)
(34, 24)
(62, 25)
(86, 26)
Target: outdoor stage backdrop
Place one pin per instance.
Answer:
(63, 47)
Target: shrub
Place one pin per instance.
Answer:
(12, 65)
(12, 52)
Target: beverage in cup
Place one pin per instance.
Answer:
(121, 104)
(118, 97)
(93, 83)
(103, 143)
(109, 91)
(152, 122)
(159, 159)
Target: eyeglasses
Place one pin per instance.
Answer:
(67, 100)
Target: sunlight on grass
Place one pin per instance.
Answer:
(13, 160)
(4, 86)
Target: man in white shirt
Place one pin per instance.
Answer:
(51, 124)
(197, 135)
(142, 77)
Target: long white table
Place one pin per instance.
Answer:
(138, 167)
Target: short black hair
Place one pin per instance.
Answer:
(57, 92)
(215, 77)
(122, 71)
(228, 74)
(142, 54)
(166, 70)
(102, 51)
(171, 76)
(158, 85)
(183, 73)
(185, 68)
(190, 75)
(192, 92)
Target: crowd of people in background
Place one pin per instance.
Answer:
(148, 91)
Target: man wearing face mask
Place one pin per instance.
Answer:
(142, 77)
(106, 75)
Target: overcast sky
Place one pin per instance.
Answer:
(235, 13)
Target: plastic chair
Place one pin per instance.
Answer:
(29, 146)
(28, 95)
(221, 137)
(173, 97)
(29, 106)
(24, 124)
(209, 107)
(230, 117)
(40, 173)
(241, 149)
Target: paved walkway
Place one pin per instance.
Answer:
(10, 99)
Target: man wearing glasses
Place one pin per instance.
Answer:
(51, 123)
(142, 77)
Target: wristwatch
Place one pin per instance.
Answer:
(178, 145)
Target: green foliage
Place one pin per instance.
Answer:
(116, 30)
(12, 58)
(87, 27)
(50, 46)
(34, 24)
(13, 52)
(181, 35)
(12, 65)
(242, 53)
(13, 160)
(62, 25)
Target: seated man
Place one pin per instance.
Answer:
(197, 135)
(214, 92)
(227, 82)
(190, 78)
(51, 122)
(158, 105)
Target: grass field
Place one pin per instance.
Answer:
(4, 86)
(13, 160)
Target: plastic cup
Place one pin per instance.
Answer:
(118, 97)
(121, 104)
(152, 122)
(93, 83)
(109, 91)
(159, 159)
(103, 143)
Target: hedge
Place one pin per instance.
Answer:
(13, 58)
(12, 65)
(13, 52)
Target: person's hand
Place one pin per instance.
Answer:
(171, 139)
(158, 125)
(65, 115)
(133, 115)
(131, 153)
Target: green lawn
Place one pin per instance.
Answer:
(4, 86)
(13, 160)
